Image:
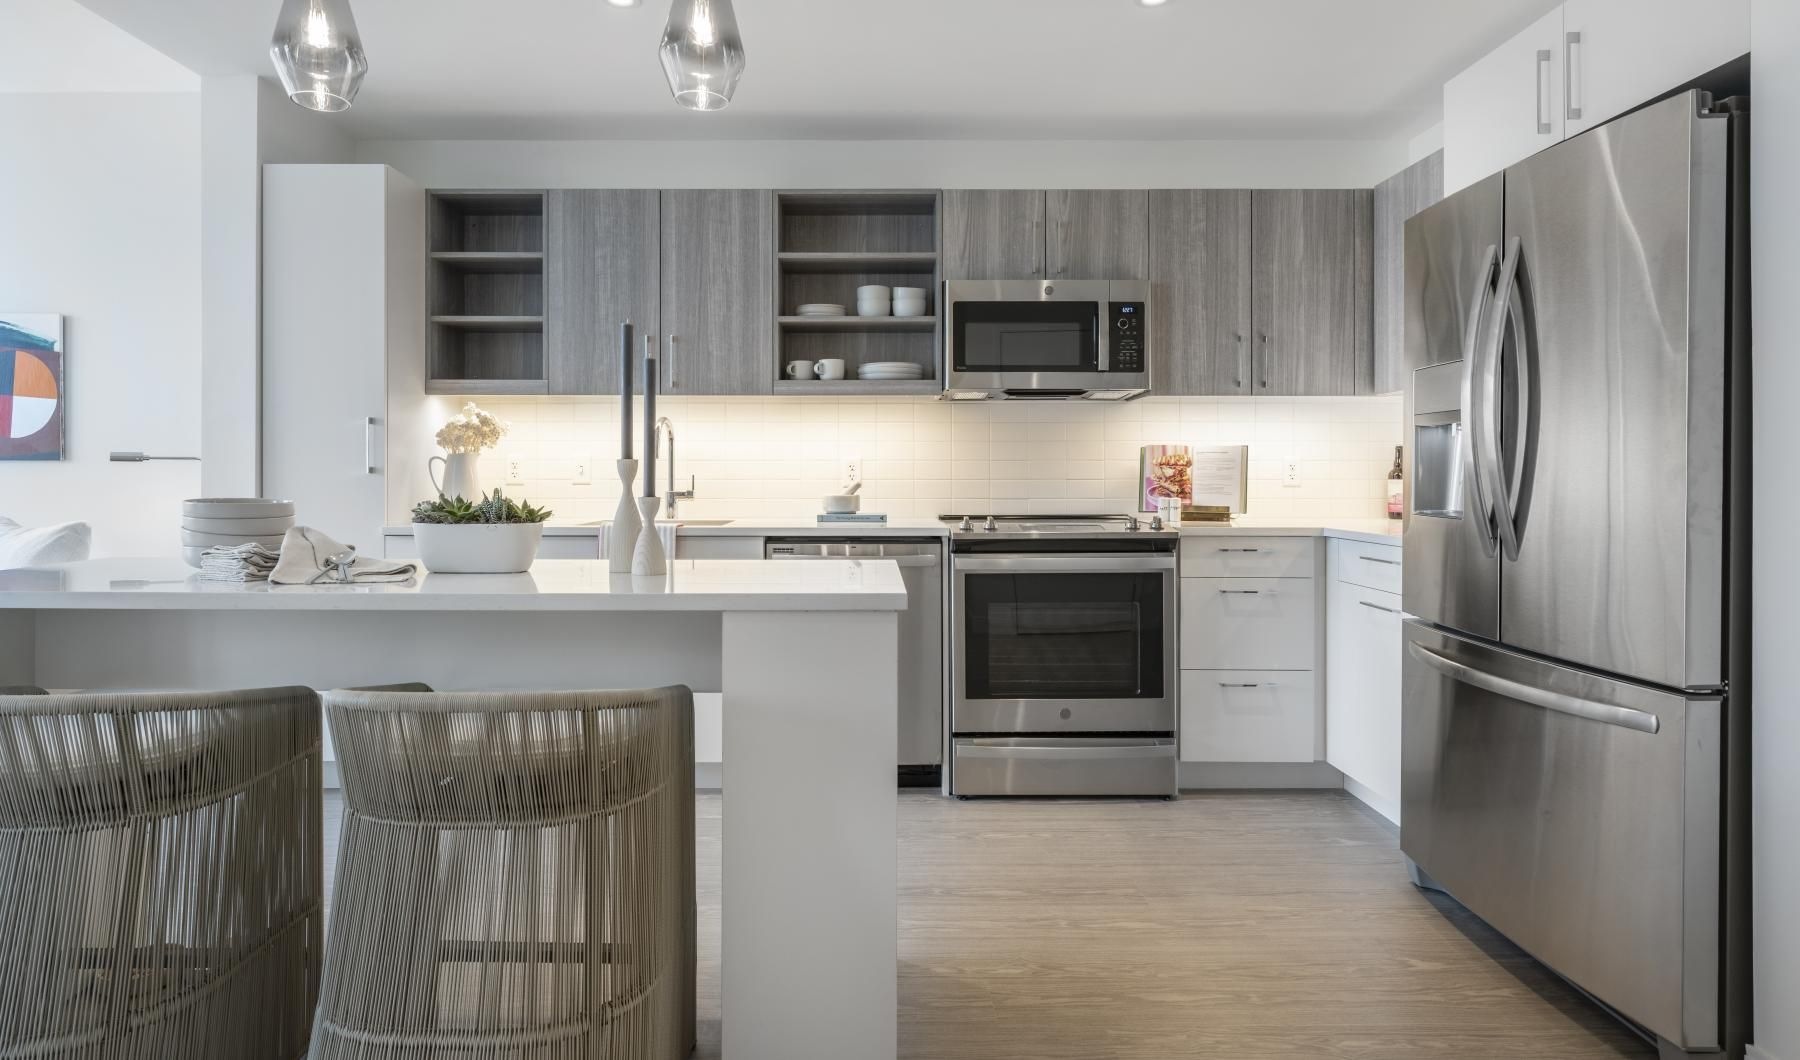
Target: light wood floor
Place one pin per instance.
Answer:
(1229, 925)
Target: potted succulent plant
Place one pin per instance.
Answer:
(495, 535)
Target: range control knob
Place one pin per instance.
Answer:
(990, 526)
(1156, 522)
(966, 525)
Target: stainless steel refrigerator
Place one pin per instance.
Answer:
(1575, 717)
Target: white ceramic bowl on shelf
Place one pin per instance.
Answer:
(276, 524)
(909, 307)
(842, 504)
(195, 539)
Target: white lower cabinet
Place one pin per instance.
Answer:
(1363, 643)
(1249, 716)
(1250, 650)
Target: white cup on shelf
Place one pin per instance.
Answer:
(829, 368)
(801, 370)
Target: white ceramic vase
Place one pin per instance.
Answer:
(459, 478)
(622, 533)
(648, 559)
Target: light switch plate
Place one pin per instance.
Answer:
(581, 471)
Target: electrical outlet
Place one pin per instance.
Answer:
(581, 471)
(853, 469)
(1291, 474)
(515, 471)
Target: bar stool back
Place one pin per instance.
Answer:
(515, 877)
(160, 867)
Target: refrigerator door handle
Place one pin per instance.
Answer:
(1504, 481)
(1591, 710)
(1472, 471)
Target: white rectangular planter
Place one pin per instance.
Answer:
(477, 548)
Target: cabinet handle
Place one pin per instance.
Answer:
(1246, 592)
(1571, 49)
(1262, 364)
(1384, 562)
(1543, 76)
(1238, 378)
(1242, 684)
(369, 445)
(1223, 549)
(674, 361)
(1378, 607)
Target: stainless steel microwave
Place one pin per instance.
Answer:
(1046, 339)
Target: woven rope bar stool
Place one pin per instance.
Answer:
(160, 874)
(515, 877)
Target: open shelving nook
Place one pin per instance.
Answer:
(486, 293)
(829, 243)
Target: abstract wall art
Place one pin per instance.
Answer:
(33, 399)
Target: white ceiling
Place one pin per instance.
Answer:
(882, 69)
(60, 46)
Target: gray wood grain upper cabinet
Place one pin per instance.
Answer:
(600, 269)
(1097, 235)
(718, 261)
(1311, 290)
(993, 235)
(1396, 199)
(1199, 271)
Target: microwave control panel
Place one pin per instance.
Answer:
(1126, 337)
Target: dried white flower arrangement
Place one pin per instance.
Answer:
(471, 431)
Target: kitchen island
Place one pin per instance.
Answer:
(805, 655)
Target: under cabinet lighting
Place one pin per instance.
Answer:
(1152, 3)
(623, 3)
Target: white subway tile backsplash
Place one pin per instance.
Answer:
(774, 457)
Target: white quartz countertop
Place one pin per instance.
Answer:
(1377, 531)
(550, 585)
(1371, 531)
(752, 527)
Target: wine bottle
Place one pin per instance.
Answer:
(1396, 488)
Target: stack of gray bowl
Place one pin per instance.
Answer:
(213, 521)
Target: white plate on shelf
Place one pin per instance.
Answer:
(893, 366)
(821, 309)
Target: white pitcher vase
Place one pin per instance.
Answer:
(459, 476)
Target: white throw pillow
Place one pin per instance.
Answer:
(28, 546)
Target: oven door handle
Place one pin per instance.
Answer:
(1070, 747)
(1064, 564)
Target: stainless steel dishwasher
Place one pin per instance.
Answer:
(921, 696)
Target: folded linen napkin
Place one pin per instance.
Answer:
(305, 553)
(248, 562)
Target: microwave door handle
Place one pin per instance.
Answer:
(1102, 339)
(1473, 471)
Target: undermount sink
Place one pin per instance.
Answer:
(679, 522)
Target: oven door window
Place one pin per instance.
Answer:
(1064, 636)
(1027, 337)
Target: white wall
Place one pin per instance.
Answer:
(775, 457)
(889, 163)
(100, 221)
(1775, 170)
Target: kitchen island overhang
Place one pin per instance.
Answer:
(805, 656)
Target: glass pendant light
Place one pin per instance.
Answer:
(318, 53)
(702, 53)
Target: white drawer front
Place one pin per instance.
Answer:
(1248, 624)
(1249, 716)
(1370, 566)
(1211, 556)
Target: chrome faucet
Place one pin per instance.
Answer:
(671, 495)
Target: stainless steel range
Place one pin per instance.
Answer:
(1062, 656)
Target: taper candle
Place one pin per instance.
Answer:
(649, 415)
(625, 345)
